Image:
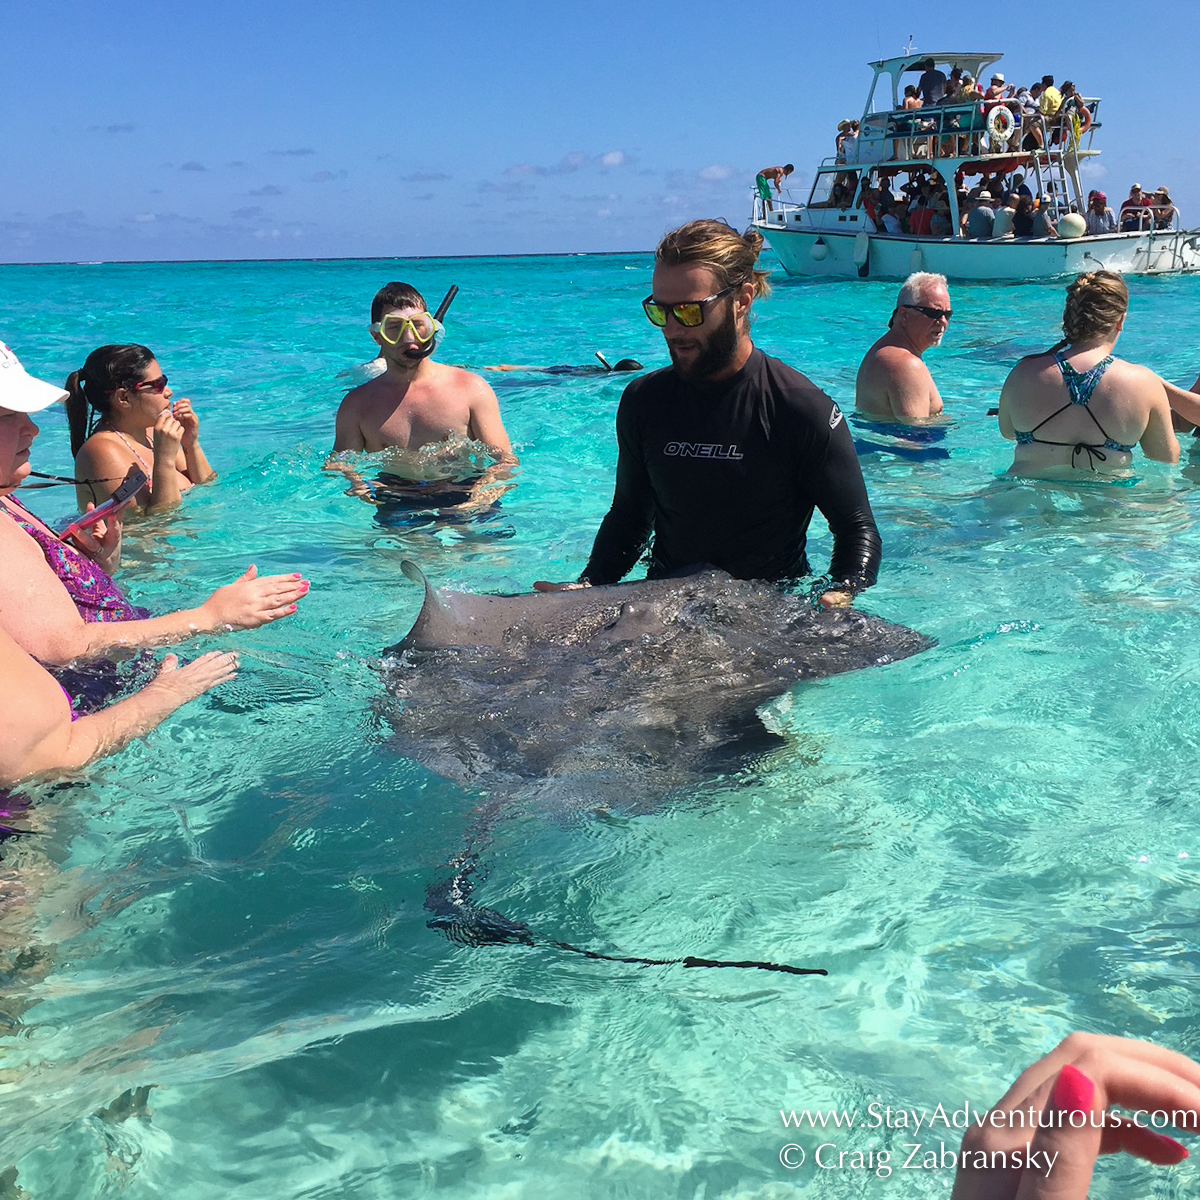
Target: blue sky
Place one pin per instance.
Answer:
(295, 130)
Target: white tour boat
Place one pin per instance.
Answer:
(833, 234)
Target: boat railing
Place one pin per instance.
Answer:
(974, 129)
(776, 211)
(1155, 218)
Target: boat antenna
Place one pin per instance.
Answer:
(447, 300)
(909, 48)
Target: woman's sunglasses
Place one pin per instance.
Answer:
(690, 313)
(158, 385)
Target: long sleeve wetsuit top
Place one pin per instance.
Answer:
(728, 474)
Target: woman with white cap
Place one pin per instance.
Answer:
(39, 732)
(57, 601)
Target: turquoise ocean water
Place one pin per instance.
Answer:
(987, 846)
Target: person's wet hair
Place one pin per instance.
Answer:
(105, 370)
(1096, 302)
(731, 256)
(396, 295)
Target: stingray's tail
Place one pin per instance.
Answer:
(457, 916)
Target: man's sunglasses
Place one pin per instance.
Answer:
(690, 313)
(158, 385)
(933, 314)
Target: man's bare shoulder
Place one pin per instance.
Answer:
(898, 361)
(367, 395)
(458, 378)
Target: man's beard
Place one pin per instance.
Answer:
(716, 357)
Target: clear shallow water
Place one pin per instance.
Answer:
(987, 845)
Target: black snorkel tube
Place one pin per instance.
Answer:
(447, 300)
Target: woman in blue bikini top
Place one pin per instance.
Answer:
(1076, 409)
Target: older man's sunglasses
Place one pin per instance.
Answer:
(933, 314)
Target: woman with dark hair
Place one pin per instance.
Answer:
(1023, 218)
(1077, 407)
(120, 413)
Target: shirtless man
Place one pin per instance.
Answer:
(415, 402)
(893, 383)
(770, 177)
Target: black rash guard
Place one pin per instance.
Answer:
(728, 474)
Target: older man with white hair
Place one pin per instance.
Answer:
(893, 383)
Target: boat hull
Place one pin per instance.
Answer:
(885, 256)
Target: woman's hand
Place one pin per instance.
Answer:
(167, 438)
(178, 685)
(101, 542)
(1067, 1096)
(250, 601)
(183, 412)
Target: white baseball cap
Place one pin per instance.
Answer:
(19, 391)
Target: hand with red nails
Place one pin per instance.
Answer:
(1065, 1100)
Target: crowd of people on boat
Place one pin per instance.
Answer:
(1036, 118)
(1001, 205)
(1041, 113)
(724, 418)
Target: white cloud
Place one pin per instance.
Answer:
(614, 158)
(717, 173)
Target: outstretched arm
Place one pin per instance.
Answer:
(37, 611)
(1185, 404)
(38, 737)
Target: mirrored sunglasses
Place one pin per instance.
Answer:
(690, 313)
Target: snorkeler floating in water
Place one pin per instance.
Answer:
(606, 368)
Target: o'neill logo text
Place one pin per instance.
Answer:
(835, 417)
(700, 450)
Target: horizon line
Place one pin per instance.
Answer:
(160, 262)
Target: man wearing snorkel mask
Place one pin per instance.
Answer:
(416, 402)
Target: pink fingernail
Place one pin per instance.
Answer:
(1073, 1092)
(292, 609)
(1171, 1146)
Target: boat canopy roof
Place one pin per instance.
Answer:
(974, 62)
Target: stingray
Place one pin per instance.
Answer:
(606, 697)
